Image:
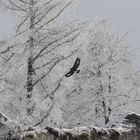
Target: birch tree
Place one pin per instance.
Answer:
(38, 50)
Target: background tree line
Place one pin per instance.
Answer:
(33, 64)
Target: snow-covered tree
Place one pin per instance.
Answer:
(36, 60)
(103, 90)
(33, 64)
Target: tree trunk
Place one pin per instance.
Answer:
(31, 44)
(102, 100)
(30, 71)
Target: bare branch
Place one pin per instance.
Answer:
(54, 16)
(65, 42)
(44, 15)
(55, 63)
(18, 28)
(58, 86)
(63, 31)
(126, 103)
(47, 114)
(51, 61)
(17, 6)
(25, 2)
(42, 77)
(7, 59)
(48, 2)
(43, 87)
(11, 8)
(53, 42)
(7, 50)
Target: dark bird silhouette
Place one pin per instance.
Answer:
(74, 68)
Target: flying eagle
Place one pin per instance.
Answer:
(74, 68)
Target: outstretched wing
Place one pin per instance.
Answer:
(74, 68)
(71, 72)
(76, 64)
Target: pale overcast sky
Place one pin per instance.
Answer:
(123, 15)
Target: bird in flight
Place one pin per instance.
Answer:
(74, 68)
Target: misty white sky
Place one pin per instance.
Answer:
(123, 15)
